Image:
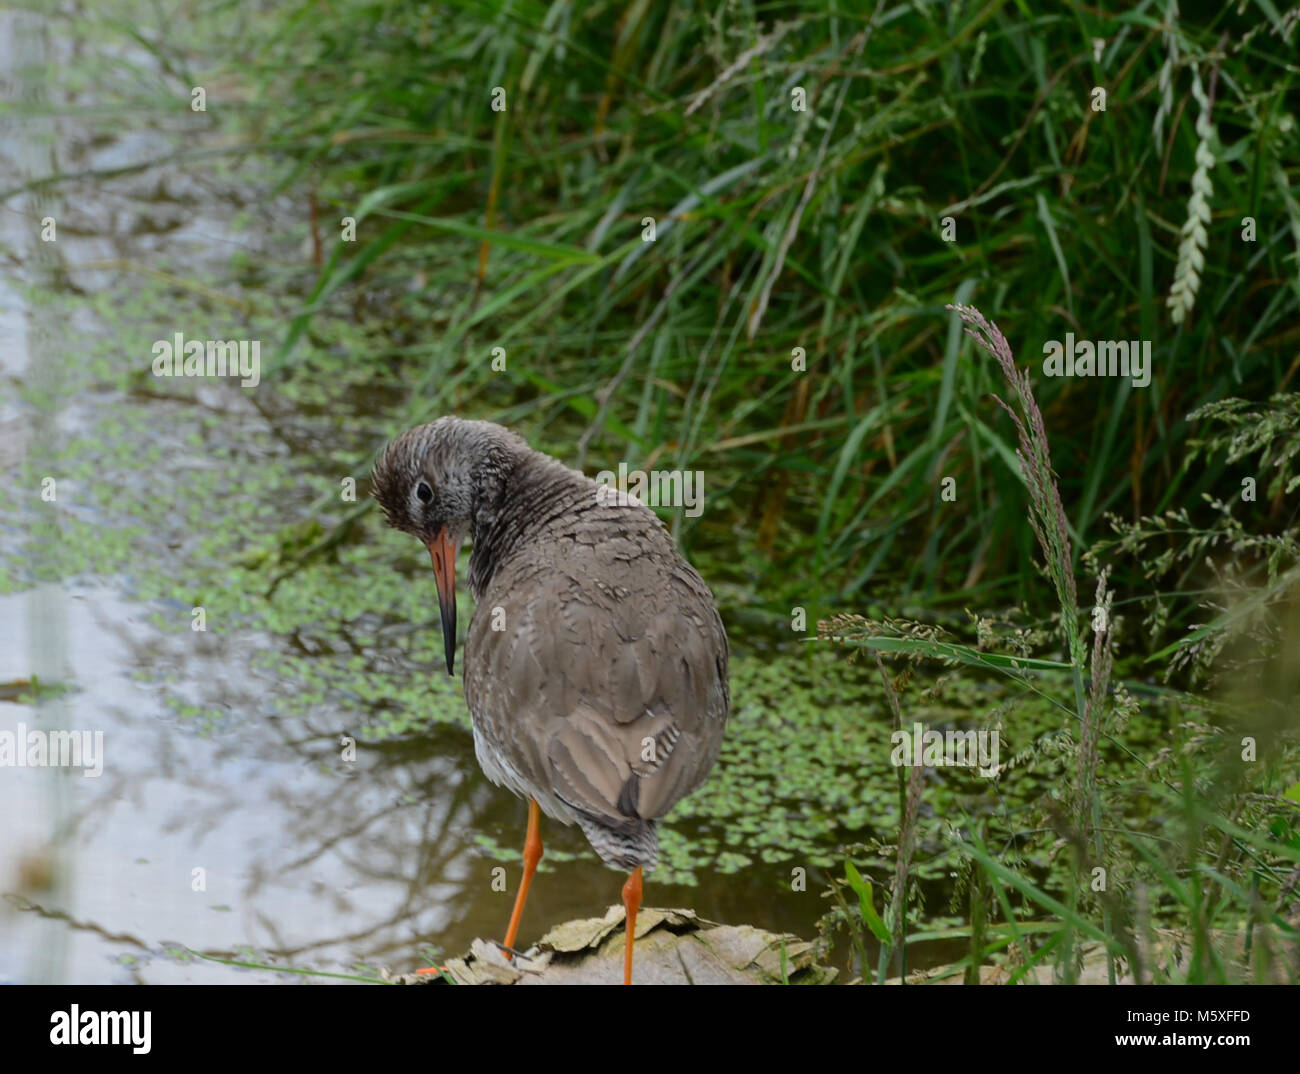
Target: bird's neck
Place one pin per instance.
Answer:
(517, 502)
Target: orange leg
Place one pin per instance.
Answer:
(632, 903)
(532, 855)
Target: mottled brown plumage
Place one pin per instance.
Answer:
(595, 662)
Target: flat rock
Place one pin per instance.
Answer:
(673, 946)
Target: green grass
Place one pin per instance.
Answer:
(778, 229)
(787, 333)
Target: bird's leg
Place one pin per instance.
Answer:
(631, 903)
(532, 855)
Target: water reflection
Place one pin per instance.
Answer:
(249, 835)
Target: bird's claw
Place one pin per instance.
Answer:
(509, 952)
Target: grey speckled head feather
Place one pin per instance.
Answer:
(595, 661)
(463, 465)
(440, 482)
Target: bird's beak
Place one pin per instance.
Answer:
(442, 551)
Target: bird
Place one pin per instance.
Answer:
(596, 662)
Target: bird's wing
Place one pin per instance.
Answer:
(607, 682)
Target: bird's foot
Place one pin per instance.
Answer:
(509, 952)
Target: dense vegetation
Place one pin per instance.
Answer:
(726, 238)
(1114, 176)
(821, 229)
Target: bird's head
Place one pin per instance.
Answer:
(433, 482)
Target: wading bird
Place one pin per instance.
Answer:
(595, 661)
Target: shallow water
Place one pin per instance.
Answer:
(223, 821)
(307, 861)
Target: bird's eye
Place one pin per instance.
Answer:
(424, 492)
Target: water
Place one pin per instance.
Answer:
(244, 836)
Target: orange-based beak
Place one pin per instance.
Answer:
(443, 553)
